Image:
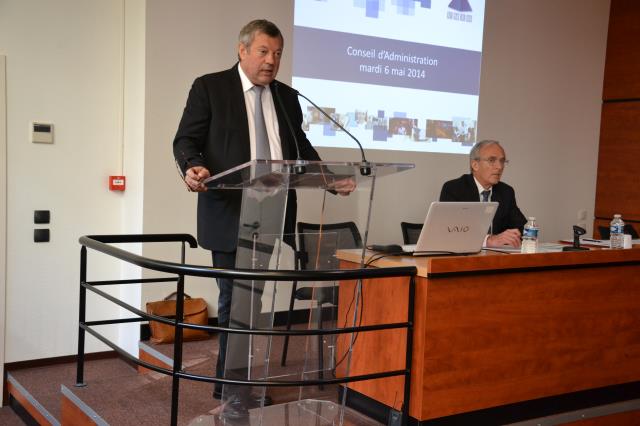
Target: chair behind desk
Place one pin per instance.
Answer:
(317, 253)
(410, 232)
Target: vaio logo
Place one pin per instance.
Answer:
(455, 228)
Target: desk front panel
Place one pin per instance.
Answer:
(494, 337)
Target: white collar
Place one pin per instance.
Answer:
(480, 187)
(246, 83)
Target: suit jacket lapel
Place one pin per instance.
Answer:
(239, 112)
(472, 188)
(283, 128)
(495, 194)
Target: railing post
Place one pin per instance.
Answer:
(409, 356)
(81, 318)
(177, 350)
(177, 343)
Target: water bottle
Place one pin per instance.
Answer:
(530, 236)
(616, 232)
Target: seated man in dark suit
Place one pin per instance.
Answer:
(487, 161)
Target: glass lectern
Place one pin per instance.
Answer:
(263, 245)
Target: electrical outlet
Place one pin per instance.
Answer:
(582, 214)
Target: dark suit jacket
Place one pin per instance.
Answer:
(214, 133)
(508, 214)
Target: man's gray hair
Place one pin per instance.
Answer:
(249, 31)
(474, 154)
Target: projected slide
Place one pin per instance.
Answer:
(398, 74)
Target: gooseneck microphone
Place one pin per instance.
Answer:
(578, 231)
(299, 168)
(365, 168)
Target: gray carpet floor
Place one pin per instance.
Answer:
(122, 396)
(9, 418)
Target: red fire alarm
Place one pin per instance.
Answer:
(117, 183)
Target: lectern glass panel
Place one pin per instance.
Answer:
(259, 247)
(267, 187)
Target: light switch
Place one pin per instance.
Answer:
(41, 236)
(41, 216)
(41, 132)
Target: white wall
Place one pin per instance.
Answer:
(540, 95)
(3, 208)
(64, 65)
(541, 92)
(133, 164)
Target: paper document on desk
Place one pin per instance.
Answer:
(542, 248)
(589, 242)
(596, 242)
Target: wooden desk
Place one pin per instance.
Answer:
(495, 329)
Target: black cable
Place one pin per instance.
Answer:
(381, 254)
(428, 253)
(368, 263)
(346, 319)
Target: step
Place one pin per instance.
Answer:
(161, 354)
(29, 403)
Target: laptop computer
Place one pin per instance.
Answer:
(454, 228)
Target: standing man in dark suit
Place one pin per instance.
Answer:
(487, 162)
(232, 117)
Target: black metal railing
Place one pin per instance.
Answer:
(102, 243)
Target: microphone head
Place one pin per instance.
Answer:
(292, 89)
(578, 230)
(365, 169)
(300, 167)
(277, 84)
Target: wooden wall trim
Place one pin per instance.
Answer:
(622, 63)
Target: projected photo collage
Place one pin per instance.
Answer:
(383, 128)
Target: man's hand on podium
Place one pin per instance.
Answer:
(344, 186)
(194, 178)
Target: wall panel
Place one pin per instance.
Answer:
(617, 189)
(622, 66)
